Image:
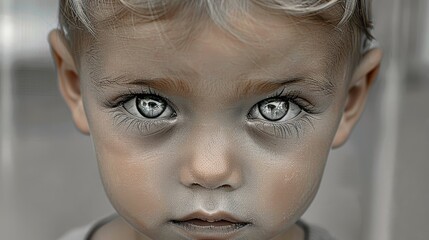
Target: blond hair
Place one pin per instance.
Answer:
(78, 18)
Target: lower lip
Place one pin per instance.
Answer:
(207, 230)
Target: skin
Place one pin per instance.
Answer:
(211, 157)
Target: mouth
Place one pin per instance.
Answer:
(204, 225)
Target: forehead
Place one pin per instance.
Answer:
(268, 44)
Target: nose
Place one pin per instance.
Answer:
(210, 163)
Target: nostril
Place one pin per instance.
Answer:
(228, 181)
(224, 186)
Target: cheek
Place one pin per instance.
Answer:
(288, 189)
(131, 175)
(288, 183)
(130, 183)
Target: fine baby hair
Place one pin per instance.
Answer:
(213, 119)
(79, 18)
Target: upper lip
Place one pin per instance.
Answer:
(212, 217)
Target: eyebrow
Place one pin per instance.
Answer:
(246, 88)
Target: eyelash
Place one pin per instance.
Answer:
(281, 130)
(297, 125)
(294, 97)
(132, 94)
(284, 130)
(120, 117)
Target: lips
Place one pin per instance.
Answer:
(218, 224)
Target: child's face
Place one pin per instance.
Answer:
(217, 130)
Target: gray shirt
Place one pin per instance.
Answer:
(85, 233)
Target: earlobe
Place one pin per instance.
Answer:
(363, 78)
(68, 79)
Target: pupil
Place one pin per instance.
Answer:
(271, 106)
(152, 104)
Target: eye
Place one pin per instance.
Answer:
(149, 106)
(275, 109)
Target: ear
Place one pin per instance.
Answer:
(363, 77)
(68, 79)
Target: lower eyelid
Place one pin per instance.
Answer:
(295, 128)
(125, 120)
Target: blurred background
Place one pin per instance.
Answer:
(376, 187)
